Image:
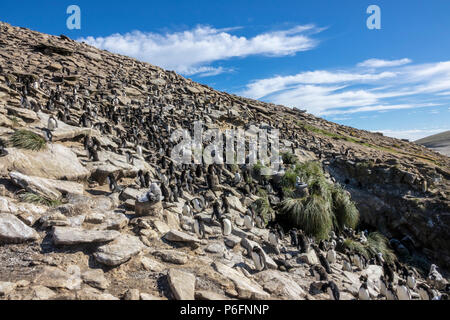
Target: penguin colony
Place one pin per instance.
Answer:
(141, 130)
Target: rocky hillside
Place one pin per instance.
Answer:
(85, 135)
(439, 142)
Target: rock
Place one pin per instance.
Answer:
(178, 236)
(182, 284)
(236, 204)
(172, 256)
(231, 241)
(246, 288)
(209, 295)
(146, 296)
(42, 293)
(73, 236)
(152, 209)
(89, 293)
(64, 131)
(119, 251)
(161, 226)
(151, 264)
(280, 285)
(132, 295)
(51, 189)
(215, 248)
(6, 288)
(55, 162)
(308, 258)
(95, 278)
(53, 277)
(12, 230)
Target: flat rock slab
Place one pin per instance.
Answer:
(172, 256)
(182, 284)
(64, 131)
(246, 288)
(119, 251)
(73, 236)
(49, 188)
(53, 277)
(55, 162)
(12, 230)
(95, 278)
(280, 285)
(178, 236)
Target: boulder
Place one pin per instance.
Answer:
(55, 162)
(12, 230)
(152, 209)
(182, 284)
(178, 236)
(119, 251)
(73, 236)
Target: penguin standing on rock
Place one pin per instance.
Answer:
(259, 259)
(363, 292)
(425, 292)
(302, 242)
(199, 227)
(226, 226)
(403, 292)
(52, 124)
(3, 151)
(113, 186)
(332, 290)
(319, 273)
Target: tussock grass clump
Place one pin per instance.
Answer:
(311, 214)
(24, 139)
(376, 242)
(289, 158)
(37, 199)
(327, 207)
(344, 209)
(263, 209)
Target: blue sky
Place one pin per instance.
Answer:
(317, 55)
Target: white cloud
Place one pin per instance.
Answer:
(378, 63)
(357, 89)
(192, 51)
(412, 135)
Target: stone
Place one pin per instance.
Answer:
(49, 188)
(209, 295)
(74, 236)
(182, 284)
(309, 258)
(152, 209)
(151, 264)
(246, 288)
(178, 236)
(132, 295)
(172, 256)
(119, 251)
(6, 288)
(53, 277)
(146, 296)
(12, 230)
(42, 293)
(280, 285)
(56, 162)
(95, 278)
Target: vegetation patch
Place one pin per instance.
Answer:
(24, 139)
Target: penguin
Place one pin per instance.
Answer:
(388, 272)
(258, 258)
(383, 285)
(411, 280)
(331, 256)
(302, 242)
(130, 158)
(363, 293)
(346, 266)
(52, 123)
(390, 293)
(187, 210)
(319, 273)
(3, 151)
(48, 136)
(199, 227)
(293, 235)
(402, 291)
(332, 290)
(248, 222)
(226, 226)
(425, 292)
(273, 238)
(113, 186)
(93, 154)
(216, 211)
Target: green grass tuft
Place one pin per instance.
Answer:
(344, 209)
(37, 199)
(24, 139)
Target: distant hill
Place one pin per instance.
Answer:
(439, 142)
